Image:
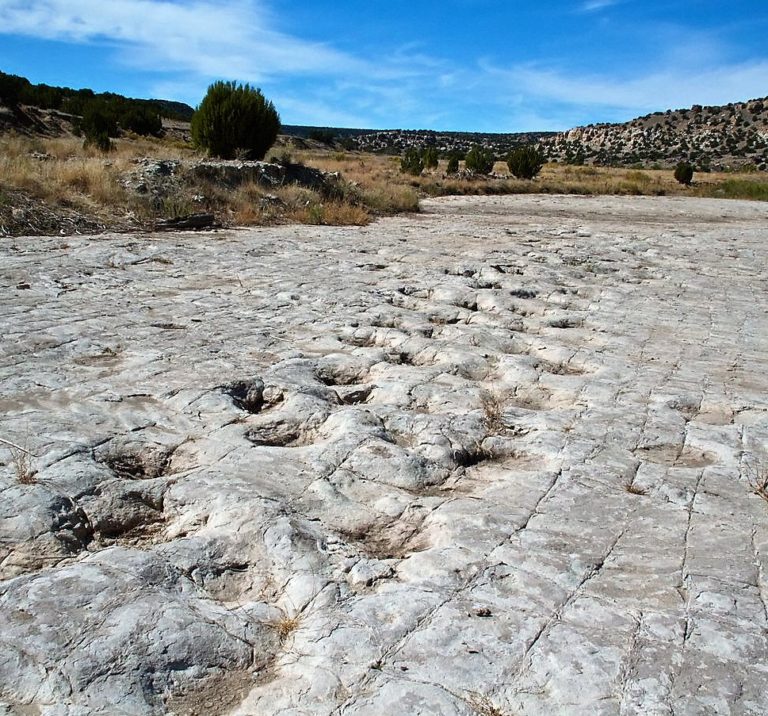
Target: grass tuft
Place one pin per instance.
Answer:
(757, 476)
(493, 408)
(482, 705)
(285, 626)
(22, 462)
(633, 489)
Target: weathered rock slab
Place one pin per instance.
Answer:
(508, 456)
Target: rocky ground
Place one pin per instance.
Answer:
(497, 458)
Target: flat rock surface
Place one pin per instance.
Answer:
(502, 457)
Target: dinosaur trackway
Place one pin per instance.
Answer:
(501, 457)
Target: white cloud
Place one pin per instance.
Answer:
(317, 112)
(208, 37)
(657, 90)
(183, 46)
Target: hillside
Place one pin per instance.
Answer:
(17, 91)
(396, 141)
(727, 137)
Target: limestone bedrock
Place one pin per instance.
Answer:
(501, 457)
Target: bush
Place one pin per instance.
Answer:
(99, 140)
(453, 164)
(479, 160)
(684, 173)
(429, 157)
(235, 120)
(326, 136)
(525, 162)
(98, 119)
(411, 162)
(284, 159)
(11, 88)
(142, 121)
(98, 124)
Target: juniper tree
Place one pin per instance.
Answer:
(684, 173)
(479, 160)
(525, 162)
(235, 120)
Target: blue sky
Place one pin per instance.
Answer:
(476, 65)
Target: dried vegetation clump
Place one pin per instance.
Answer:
(757, 476)
(22, 462)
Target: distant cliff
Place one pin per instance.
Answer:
(732, 136)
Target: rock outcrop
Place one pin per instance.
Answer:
(733, 136)
(501, 457)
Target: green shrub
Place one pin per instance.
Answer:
(525, 162)
(411, 162)
(142, 120)
(479, 160)
(99, 140)
(684, 173)
(453, 164)
(235, 120)
(579, 159)
(11, 88)
(98, 124)
(98, 119)
(325, 136)
(429, 157)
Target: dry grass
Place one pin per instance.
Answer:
(90, 178)
(22, 462)
(378, 174)
(285, 626)
(633, 489)
(482, 705)
(332, 213)
(70, 176)
(376, 181)
(753, 189)
(493, 409)
(757, 476)
(253, 205)
(61, 173)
